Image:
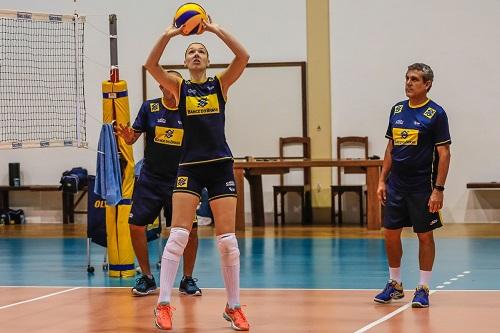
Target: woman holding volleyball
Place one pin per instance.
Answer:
(206, 162)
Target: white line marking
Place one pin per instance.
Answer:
(450, 281)
(38, 298)
(389, 316)
(264, 289)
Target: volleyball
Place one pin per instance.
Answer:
(191, 15)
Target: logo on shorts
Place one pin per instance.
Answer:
(182, 182)
(232, 189)
(230, 183)
(433, 222)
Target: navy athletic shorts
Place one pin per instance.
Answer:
(403, 209)
(217, 177)
(151, 193)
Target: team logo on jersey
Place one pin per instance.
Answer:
(405, 136)
(154, 107)
(182, 182)
(399, 122)
(202, 101)
(169, 136)
(398, 109)
(429, 113)
(161, 121)
(199, 106)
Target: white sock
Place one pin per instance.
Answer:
(425, 278)
(395, 274)
(230, 266)
(172, 254)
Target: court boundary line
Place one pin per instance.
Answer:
(387, 316)
(38, 298)
(264, 289)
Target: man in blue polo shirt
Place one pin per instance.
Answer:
(412, 180)
(160, 119)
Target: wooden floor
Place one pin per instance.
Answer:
(269, 311)
(105, 309)
(473, 230)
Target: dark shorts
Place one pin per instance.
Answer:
(409, 210)
(217, 177)
(151, 193)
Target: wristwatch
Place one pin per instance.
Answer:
(440, 188)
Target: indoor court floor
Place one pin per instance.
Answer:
(293, 279)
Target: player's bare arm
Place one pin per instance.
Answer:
(437, 196)
(386, 167)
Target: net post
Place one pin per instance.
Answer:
(113, 41)
(75, 34)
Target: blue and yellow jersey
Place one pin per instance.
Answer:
(164, 137)
(202, 108)
(416, 131)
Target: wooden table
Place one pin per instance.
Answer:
(254, 169)
(484, 186)
(68, 199)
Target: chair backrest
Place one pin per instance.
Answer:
(351, 141)
(306, 153)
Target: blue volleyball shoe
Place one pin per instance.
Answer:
(392, 290)
(421, 297)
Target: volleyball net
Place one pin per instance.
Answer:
(41, 80)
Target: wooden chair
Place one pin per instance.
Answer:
(339, 189)
(304, 191)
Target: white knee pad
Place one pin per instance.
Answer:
(176, 244)
(228, 248)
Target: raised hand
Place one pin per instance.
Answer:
(173, 31)
(209, 25)
(127, 133)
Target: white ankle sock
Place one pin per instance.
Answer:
(395, 274)
(172, 254)
(425, 278)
